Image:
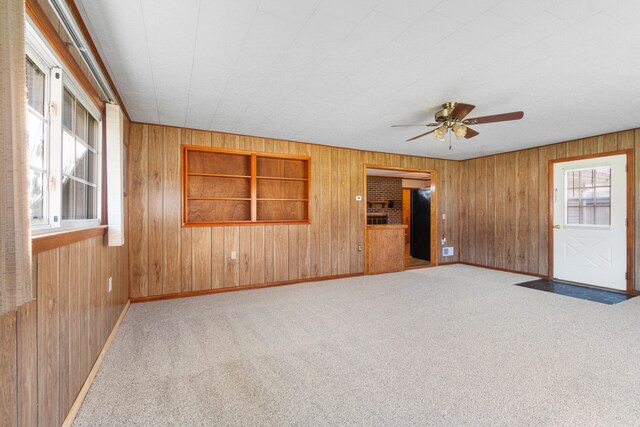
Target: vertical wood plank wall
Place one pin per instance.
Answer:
(166, 258)
(504, 220)
(51, 343)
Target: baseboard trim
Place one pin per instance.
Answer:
(68, 421)
(542, 276)
(240, 288)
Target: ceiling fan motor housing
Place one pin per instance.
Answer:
(443, 115)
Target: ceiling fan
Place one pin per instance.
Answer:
(452, 116)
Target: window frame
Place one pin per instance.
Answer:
(42, 65)
(57, 78)
(566, 200)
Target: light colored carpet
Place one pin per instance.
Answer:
(451, 345)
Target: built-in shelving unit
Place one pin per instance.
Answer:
(223, 187)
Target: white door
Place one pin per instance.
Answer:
(590, 207)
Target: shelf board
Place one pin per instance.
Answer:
(242, 199)
(281, 200)
(217, 175)
(282, 178)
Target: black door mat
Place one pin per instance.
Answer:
(602, 296)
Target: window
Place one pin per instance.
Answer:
(589, 196)
(36, 123)
(64, 137)
(79, 161)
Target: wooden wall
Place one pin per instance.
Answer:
(50, 344)
(504, 220)
(166, 258)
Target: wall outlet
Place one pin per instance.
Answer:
(447, 251)
(444, 216)
(109, 285)
(233, 255)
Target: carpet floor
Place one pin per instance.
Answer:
(452, 345)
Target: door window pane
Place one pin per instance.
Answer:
(588, 196)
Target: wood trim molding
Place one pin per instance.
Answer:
(630, 210)
(47, 29)
(505, 270)
(50, 241)
(241, 288)
(75, 408)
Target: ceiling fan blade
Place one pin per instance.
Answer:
(428, 124)
(421, 135)
(516, 115)
(460, 111)
(471, 133)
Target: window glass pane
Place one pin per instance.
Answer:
(36, 194)
(81, 161)
(603, 215)
(92, 135)
(81, 122)
(92, 174)
(68, 153)
(91, 202)
(67, 111)
(67, 198)
(588, 196)
(36, 141)
(80, 200)
(35, 87)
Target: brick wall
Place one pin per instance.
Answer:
(385, 189)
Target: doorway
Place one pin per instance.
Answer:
(590, 211)
(404, 199)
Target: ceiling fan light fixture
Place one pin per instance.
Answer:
(440, 132)
(459, 130)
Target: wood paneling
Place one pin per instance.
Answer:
(48, 346)
(385, 248)
(327, 246)
(519, 229)
(55, 339)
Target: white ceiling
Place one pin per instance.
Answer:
(340, 72)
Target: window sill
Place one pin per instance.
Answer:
(46, 242)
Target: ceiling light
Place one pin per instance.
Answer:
(441, 132)
(459, 130)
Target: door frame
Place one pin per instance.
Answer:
(630, 218)
(434, 208)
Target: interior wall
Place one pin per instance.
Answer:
(166, 258)
(49, 345)
(504, 221)
(384, 189)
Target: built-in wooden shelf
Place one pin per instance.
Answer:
(219, 175)
(225, 187)
(282, 179)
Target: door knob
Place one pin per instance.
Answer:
(557, 226)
